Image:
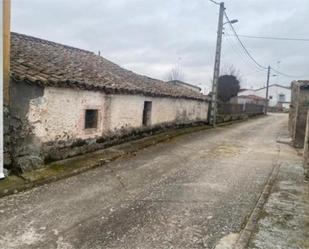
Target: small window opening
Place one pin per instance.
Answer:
(147, 113)
(91, 119)
(270, 97)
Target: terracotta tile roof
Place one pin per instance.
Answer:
(51, 64)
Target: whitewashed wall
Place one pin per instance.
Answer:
(60, 113)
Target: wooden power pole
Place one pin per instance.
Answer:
(6, 50)
(5, 71)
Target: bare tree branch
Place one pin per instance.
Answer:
(176, 73)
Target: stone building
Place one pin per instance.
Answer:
(298, 111)
(67, 101)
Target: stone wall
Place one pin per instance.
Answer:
(298, 113)
(24, 145)
(6, 139)
(292, 111)
(306, 149)
(48, 123)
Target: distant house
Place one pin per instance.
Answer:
(184, 84)
(278, 95)
(67, 101)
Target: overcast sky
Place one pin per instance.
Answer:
(152, 36)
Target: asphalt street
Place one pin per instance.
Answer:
(188, 192)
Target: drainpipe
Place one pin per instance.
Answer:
(5, 71)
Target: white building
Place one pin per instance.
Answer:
(278, 95)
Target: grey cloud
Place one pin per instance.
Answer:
(151, 36)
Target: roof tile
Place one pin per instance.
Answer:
(49, 63)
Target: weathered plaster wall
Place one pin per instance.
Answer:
(60, 113)
(24, 144)
(50, 121)
(126, 111)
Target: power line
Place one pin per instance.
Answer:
(272, 38)
(214, 2)
(241, 43)
(287, 75)
(251, 57)
(240, 54)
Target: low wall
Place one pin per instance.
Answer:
(230, 111)
(237, 109)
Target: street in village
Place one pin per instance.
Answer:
(189, 192)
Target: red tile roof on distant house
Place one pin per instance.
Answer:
(52, 64)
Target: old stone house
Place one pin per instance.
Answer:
(66, 101)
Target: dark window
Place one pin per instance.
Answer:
(270, 97)
(91, 119)
(147, 113)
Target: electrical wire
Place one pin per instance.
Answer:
(241, 43)
(214, 2)
(287, 75)
(251, 57)
(272, 38)
(246, 61)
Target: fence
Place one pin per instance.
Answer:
(236, 109)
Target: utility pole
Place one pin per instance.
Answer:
(267, 86)
(5, 70)
(214, 94)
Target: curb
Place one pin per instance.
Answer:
(246, 234)
(69, 167)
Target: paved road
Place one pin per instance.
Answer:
(186, 193)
